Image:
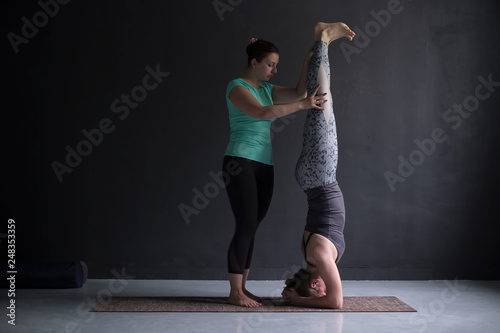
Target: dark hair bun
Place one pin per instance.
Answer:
(300, 282)
(290, 283)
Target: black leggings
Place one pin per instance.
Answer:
(250, 190)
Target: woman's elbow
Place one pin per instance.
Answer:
(340, 304)
(336, 303)
(264, 114)
(259, 114)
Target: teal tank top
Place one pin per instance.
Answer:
(250, 137)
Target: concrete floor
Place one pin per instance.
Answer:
(443, 306)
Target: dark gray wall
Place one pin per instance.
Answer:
(395, 89)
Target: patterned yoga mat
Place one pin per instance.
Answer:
(220, 304)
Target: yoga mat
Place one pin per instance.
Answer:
(220, 304)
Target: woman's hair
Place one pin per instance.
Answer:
(300, 282)
(259, 49)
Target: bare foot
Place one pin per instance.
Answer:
(242, 300)
(328, 32)
(252, 296)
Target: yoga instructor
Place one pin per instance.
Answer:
(253, 103)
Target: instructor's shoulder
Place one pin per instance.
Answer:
(234, 83)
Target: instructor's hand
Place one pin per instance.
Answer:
(314, 101)
(290, 296)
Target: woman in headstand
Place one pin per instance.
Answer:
(319, 285)
(253, 104)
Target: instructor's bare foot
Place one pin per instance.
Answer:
(328, 32)
(252, 296)
(241, 299)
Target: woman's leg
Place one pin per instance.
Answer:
(250, 193)
(317, 164)
(265, 185)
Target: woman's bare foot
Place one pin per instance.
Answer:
(240, 299)
(252, 296)
(328, 32)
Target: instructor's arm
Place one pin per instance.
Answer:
(243, 99)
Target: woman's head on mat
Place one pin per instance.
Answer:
(263, 58)
(306, 285)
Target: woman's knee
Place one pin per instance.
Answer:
(246, 230)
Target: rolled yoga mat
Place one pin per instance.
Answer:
(45, 275)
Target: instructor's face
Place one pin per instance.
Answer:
(268, 66)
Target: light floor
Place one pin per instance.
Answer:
(443, 306)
